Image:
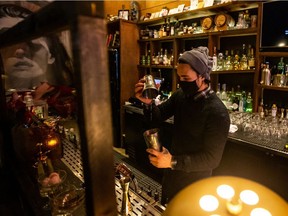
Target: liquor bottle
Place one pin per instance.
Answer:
(214, 67)
(165, 57)
(281, 66)
(234, 100)
(242, 102)
(220, 61)
(148, 61)
(244, 50)
(160, 59)
(171, 58)
(176, 27)
(172, 28)
(281, 71)
(261, 109)
(168, 26)
(266, 75)
(251, 60)
(243, 63)
(218, 91)
(274, 111)
(236, 63)
(181, 29)
(160, 33)
(249, 103)
(228, 63)
(164, 28)
(224, 96)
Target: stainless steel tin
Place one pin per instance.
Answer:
(150, 90)
(152, 139)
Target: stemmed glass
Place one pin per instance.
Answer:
(49, 184)
(67, 200)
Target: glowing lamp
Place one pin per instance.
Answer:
(52, 141)
(226, 196)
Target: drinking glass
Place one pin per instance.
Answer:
(49, 184)
(67, 200)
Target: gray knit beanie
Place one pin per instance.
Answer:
(199, 60)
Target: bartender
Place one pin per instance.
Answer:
(200, 129)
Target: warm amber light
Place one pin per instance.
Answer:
(260, 212)
(249, 197)
(52, 142)
(225, 191)
(234, 206)
(208, 203)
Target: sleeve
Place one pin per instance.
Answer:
(157, 114)
(214, 140)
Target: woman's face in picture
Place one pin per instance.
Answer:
(26, 63)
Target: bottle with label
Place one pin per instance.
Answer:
(168, 26)
(148, 60)
(274, 111)
(251, 60)
(281, 66)
(165, 57)
(224, 95)
(249, 103)
(243, 63)
(234, 100)
(214, 67)
(266, 75)
(164, 28)
(242, 102)
(220, 61)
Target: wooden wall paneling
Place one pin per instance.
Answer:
(129, 59)
(95, 116)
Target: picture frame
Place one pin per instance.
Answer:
(123, 14)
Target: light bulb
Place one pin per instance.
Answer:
(208, 203)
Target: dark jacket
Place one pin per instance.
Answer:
(200, 132)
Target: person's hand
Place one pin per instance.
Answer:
(160, 159)
(138, 92)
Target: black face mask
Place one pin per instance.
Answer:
(189, 88)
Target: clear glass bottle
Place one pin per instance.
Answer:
(214, 67)
(224, 96)
(274, 111)
(220, 61)
(265, 75)
(281, 66)
(249, 103)
(218, 91)
(243, 63)
(251, 59)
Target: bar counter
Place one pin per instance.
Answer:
(265, 162)
(144, 199)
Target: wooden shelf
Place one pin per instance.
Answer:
(227, 33)
(276, 88)
(234, 72)
(274, 54)
(203, 12)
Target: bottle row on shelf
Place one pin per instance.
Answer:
(221, 21)
(276, 75)
(161, 58)
(240, 60)
(235, 100)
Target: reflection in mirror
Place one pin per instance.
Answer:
(41, 101)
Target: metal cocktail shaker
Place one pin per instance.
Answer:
(150, 90)
(152, 140)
